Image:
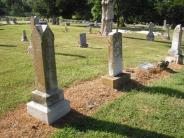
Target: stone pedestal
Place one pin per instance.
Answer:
(117, 82)
(48, 114)
(116, 78)
(48, 103)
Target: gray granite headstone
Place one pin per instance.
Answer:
(24, 36)
(150, 36)
(48, 102)
(83, 41)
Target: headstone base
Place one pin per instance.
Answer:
(84, 46)
(117, 82)
(48, 114)
(178, 59)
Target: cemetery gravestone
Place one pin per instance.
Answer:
(14, 21)
(83, 41)
(150, 36)
(24, 36)
(66, 27)
(57, 21)
(116, 78)
(48, 102)
(175, 53)
(165, 25)
(166, 35)
(90, 29)
(7, 20)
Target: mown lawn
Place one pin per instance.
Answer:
(153, 111)
(73, 63)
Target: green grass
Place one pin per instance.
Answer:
(152, 111)
(73, 63)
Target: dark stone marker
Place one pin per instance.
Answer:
(83, 41)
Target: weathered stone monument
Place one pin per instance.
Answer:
(90, 29)
(165, 25)
(107, 16)
(66, 27)
(166, 34)
(175, 53)
(34, 20)
(7, 20)
(115, 78)
(150, 36)
(48, 103)
(24, 36)
(14, 21)
(57, 21)
(83, 41)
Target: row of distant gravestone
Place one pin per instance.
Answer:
(166, 33)
(48, 103)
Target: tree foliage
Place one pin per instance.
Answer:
(131, 11)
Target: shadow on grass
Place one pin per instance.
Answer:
(70, 55)
(134, 85)
(84, 123)
(7, 45)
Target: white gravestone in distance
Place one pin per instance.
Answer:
(175, 53)
(166, 35)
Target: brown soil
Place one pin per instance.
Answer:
(85, 99)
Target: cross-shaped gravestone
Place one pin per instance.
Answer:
(48, 102)
(150, 36)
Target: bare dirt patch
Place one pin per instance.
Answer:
(85, 99)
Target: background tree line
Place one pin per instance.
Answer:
(131, 11)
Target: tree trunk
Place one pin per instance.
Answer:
(107, 16)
